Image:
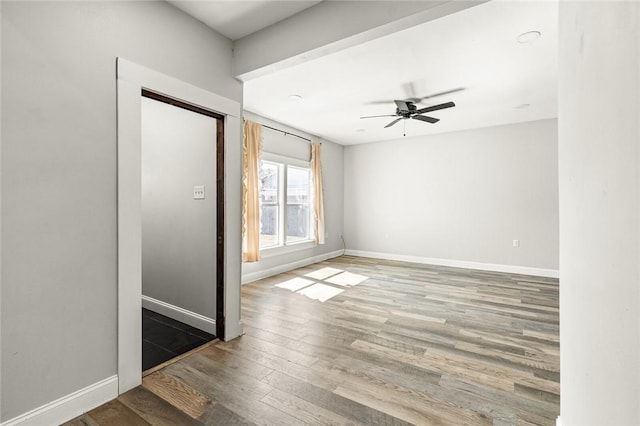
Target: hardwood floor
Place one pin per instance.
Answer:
(411, 344)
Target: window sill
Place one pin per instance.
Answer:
(291, 248)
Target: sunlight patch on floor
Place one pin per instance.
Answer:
(347, 279)
(323, 273)
(321, 292)
(295, 284)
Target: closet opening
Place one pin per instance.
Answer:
(182, 210)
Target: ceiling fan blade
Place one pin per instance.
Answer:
(410, 88)
(433, 95)
(402, 105)
(376, 116)
(393, 122)
(435, 107)
(387, 102)
(425, 118)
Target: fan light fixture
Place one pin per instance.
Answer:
(528, 37)
(295, 97)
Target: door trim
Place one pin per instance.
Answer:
(132, 79)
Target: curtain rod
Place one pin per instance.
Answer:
(286, 133)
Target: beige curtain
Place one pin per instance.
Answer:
(252, 147)
(318, 204)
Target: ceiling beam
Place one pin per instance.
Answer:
(329, 27)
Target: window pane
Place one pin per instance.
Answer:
(297, 223)
(268, 225)
(298, 180)
(269, 195)
(268, 182)
(298, 194)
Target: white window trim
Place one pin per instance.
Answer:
(283, 248)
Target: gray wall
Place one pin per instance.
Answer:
(178, 232)
(59, 178)
(458, 196)
(333, 182)
(599, 164)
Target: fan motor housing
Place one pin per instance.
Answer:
(406, 113)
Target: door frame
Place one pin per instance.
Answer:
(132, 80)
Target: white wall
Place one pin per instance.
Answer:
(333, 181)
(59, 178)
(178, 232)
(599, 164)
(462, 196)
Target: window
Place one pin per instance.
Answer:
(285, 202)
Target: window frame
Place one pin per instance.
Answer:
(283, 246)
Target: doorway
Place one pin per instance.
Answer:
(181, 251)
(132, 79)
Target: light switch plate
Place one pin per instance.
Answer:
(198, 192)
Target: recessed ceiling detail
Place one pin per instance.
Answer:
(529, 37)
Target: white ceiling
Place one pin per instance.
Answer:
(237, 18)
(475, 49)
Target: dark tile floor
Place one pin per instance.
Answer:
(164, 338)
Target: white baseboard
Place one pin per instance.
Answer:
(258, 275)
(70, 406)
(523, 270)
(179, 314)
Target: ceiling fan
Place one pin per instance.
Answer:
(407, 109)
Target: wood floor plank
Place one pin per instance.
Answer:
(332, 401)
(531, 359)
(232, 363)
(428, 390)
(278, 364)
(496, 398)
(177, 393)
(241, 398)
(552, 337)
(408, 407)
(154, 409)
(305, 411)
(443, 365)
(232, 381)
(115, 413)
(219, 414)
